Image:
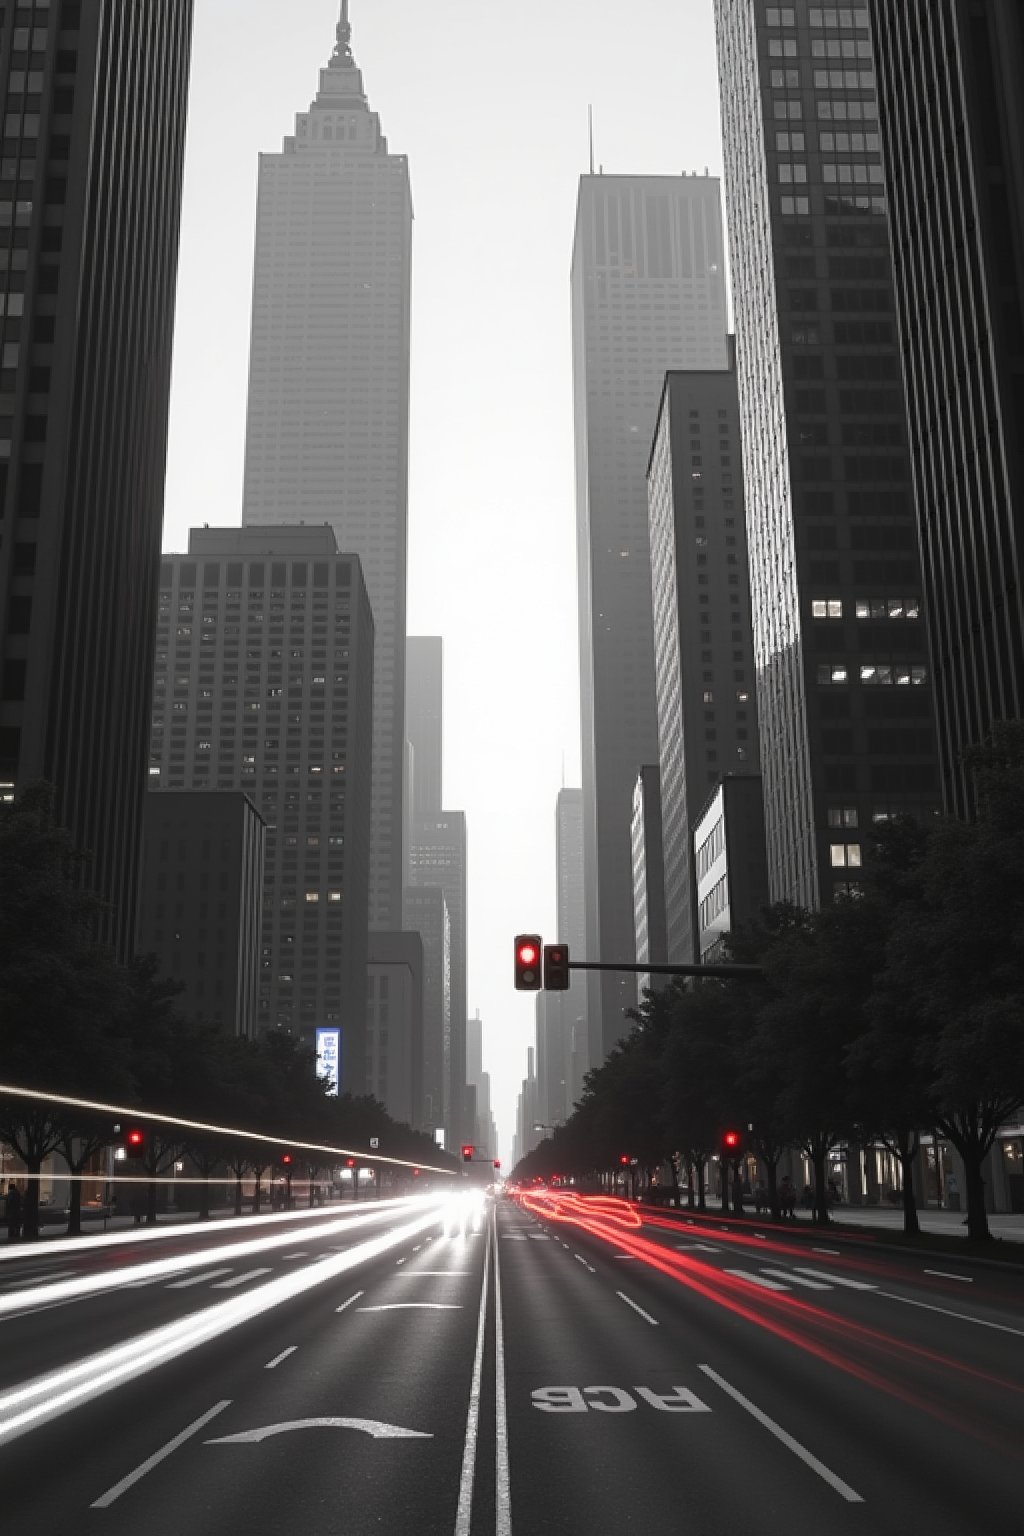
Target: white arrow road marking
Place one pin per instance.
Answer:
(413, 1306)
(375, 1427)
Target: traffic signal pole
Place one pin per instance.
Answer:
(714, 972)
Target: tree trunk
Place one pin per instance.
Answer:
(977, 1216)
(702, 1194)
(819, 1160)
(238, 1190)
(75, 1200)
(30, 1207)
(907, 1153)
(772, 1169)
(204, 1197)
(691, 1183)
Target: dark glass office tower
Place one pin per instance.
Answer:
(92, 103)
(952, 120)
(843, 687)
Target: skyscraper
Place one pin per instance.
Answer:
(957, 225)
(438, 857)
(581, 1050)
(648, 294)
(703, 646)
(424, 714)
(264, 683)
(425, 913)
(328, 415)
(843, 690)
(94, 100)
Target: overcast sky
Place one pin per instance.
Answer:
(488, 98)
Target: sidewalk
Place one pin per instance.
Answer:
(883, 1218)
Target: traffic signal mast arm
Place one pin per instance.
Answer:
(722, 972)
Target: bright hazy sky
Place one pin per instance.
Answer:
(488, 98)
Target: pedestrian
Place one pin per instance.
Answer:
(14, 1212)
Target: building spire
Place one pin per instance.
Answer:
(342, 55)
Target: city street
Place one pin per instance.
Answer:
(551, 1366)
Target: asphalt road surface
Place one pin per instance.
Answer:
(545, 1367)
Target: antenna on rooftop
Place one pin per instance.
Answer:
(590, 122)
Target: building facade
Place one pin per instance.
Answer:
(438, 857)
(703, 637)
(424, 714)
(264, 683)
(581, 1048)
(426, 913)
(729, 858)
(394, 1024)
(201, 901)
(647, 845)
(957, 226)
(94, 99)
(327, 434)
(648, 294)
(843, 684)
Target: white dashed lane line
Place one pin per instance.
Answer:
(250, 1274)
(645, 1315)
(761, 1280)
(270, 1365)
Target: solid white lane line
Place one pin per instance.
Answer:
(502, 1495)
(208, 1274)
(809, 1460)
(810, 1285)
(106, 1499)
(464, 1512)
(963, 1317)
(282, 1356)
(414, 1306)
(350, 1301)
(833, 1251)
(944, 1274)
(250, 1274)
(767, 1285)
(825, 1274)
(645, 1315)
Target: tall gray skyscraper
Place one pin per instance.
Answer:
(957, 223)
(264, 683)
(437, 857)
(843, 688)
(577, 1041)
(648, 294)
(328, 417)
(703, 642)
(93, 100)
(424, 696)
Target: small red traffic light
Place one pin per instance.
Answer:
(556, 967)
(286, 1159)
(527, 962)
(497, 1162)
(135, 1142)
(624, 1160)
(731, 1139)
(415, 1173)
(467, 1153)
(350, 1162)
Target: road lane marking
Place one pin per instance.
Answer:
(809, 1460)
(106, 1499)
(810, 1285)
(702, 1247)
(833, 1251)
(580, 1259)
(412, 1274)
(250, 1274)
(208, 1274)
(825, 1274)
(645, 1315)
(350, 1301)
(761, 1280)
(502, 1495)
(295, 1255)
(630, 1258)
(464, 1512)
(40, 1279)
(414, 1306)
(964, 1317)
(375, 1427)
(944, 1274)
(282, 1356)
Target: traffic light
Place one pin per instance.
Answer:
(497, 1162)
(556, 967)
(286, 1159)
(135, 1142)
(467, 1154)
(731, 1145)
(528, 959)
(624, 1159)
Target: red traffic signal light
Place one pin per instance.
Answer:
(350, 1162)
(415, 1173)
(467, 1154)
(135, 1142)
(528, 960)
(624, 1160)
(286, 1159)
(732, 1144)
(556, 967)
(497, 1162)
